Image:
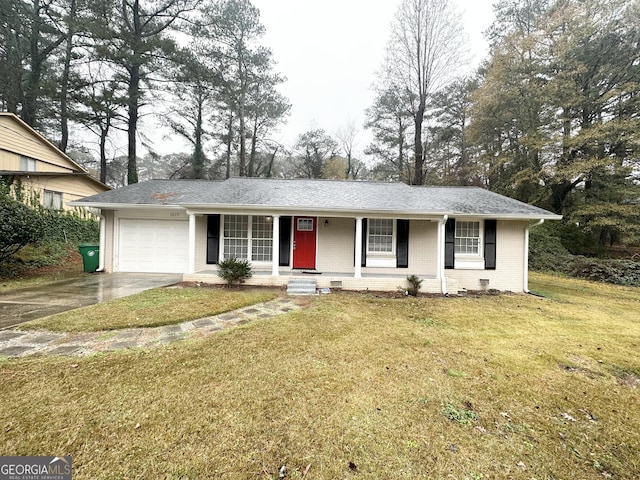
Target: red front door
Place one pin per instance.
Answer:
(304, 242)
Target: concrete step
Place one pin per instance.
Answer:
(302, 286)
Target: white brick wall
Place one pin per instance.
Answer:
(335, 254)
(509, 272)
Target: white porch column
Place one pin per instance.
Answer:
(440, 264)
(275, 251)
(191, 268)
(358, 270)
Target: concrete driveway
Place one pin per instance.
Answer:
(26, 304)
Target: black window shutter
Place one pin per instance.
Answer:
(402, 244)
(449, 243)
(213, 238)
(490, 244)
(285, 240)
(364, 243)
(363, 263)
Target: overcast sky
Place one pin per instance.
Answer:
(329, 50)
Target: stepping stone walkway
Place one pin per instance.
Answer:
(21, 343)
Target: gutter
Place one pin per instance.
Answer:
(525, 286)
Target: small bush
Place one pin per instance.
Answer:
(414, 285)
(234, 270)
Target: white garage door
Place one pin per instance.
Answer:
(154, 246)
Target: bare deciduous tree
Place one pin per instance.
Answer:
(425, 51)
(347, 135)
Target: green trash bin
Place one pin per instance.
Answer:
(90, 256)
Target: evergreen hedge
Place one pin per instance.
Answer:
(32, 236)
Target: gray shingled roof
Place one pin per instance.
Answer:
(318, 195)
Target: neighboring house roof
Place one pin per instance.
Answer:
(33, 144)
(302, 195)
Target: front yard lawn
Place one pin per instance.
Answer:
(355, 386)
(151, 308)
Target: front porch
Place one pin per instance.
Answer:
(331, 280)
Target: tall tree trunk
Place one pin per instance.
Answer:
(198, 153)
(254, 142)
(64, 83)
(133, 92)
(229, 142)
(418, 173)
(241, 112)
(104, 133)
(13, 74)
(132, 124)
(271, 160)
(401, 151)
(243, 146)
(29, 106)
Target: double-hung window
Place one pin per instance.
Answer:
(52, 200)
(261, 238)
(467, 240)
(236, 236)
(248, 237)
(380, 237)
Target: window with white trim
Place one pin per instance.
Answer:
(261, 238)
(236, 236)
(245, 233)
(380, 236)
(52, 200)
(467, 241)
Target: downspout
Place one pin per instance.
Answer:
(441, 252)
(103, 242)
(526, 254)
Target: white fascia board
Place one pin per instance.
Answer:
(203, 209)
(310, 211)
(335, 212)
(125, 206)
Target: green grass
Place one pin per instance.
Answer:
(151, 308)
(355, 386)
